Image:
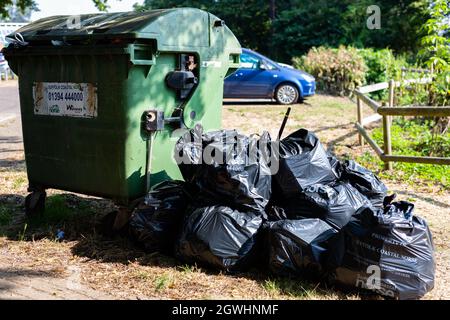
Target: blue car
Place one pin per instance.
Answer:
(261, 78)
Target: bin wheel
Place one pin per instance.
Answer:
(35, 203)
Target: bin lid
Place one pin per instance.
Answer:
(77, 26)
(171, 27)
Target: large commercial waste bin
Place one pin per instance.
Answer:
(101, 95)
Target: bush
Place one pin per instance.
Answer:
(440, 88)
(337, 71)
(436, 93)
(382, 65)
(413, 137)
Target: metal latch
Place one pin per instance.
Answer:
(153, 120)
(181, 81)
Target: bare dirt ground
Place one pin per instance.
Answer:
(86, 265)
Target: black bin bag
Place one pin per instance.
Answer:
(365, 182)
(227, 168)
(299, 246)
(155, 223)
(335, 203)
(303, 163)
(389, 252)
(219, 237)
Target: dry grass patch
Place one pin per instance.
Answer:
(117, 267)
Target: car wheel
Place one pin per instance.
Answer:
(286, 94)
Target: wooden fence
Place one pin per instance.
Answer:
(385, 112)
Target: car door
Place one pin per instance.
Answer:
(249, 81)
(230, 84)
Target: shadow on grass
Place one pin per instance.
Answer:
(73, 214)
(10, 165)
(122, 250)
(263, 102)
(80, 219)
(249, 102)
(11, 273)
(338, 126)
(331, 145)
(8, 276)
(423, 198)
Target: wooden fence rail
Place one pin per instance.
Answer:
(386, 113)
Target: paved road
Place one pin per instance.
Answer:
(11, 146)
(9, 100)
(32, 284)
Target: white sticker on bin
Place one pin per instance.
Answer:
(65, 99)
(212, 64)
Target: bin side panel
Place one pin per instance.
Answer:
(83, 155)
(206, 102)
(144, 92)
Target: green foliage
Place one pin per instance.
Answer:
(21, 236)
(300, 25)
(292, 287)
(163, 282)
(416, 136)
(413, 138)
(382, 65)
(60, 209)
(249, 20)
(332, 23)
(24, 5)
(440, 89)
(18, 182)
(435, 53)
(435, 45)
(412, 94)
(101, 5)
(309, 24)
(337, 71)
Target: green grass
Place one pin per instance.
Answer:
(21, 236)
(271, 286)
(162, 282)
(292, 287)
(143, 275)
(186, 268)
(58, 210)
(413, 139)
(61, 212)
(18, 182)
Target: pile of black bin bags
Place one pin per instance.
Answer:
(314, 217)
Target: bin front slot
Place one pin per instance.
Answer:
(141, 54)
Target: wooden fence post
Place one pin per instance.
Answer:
(387, 128)
(360, 118)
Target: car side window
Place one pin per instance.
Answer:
(249, 62)
(269, 66)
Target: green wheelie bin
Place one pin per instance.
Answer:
(103, 95)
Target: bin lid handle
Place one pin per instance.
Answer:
(17, 40)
